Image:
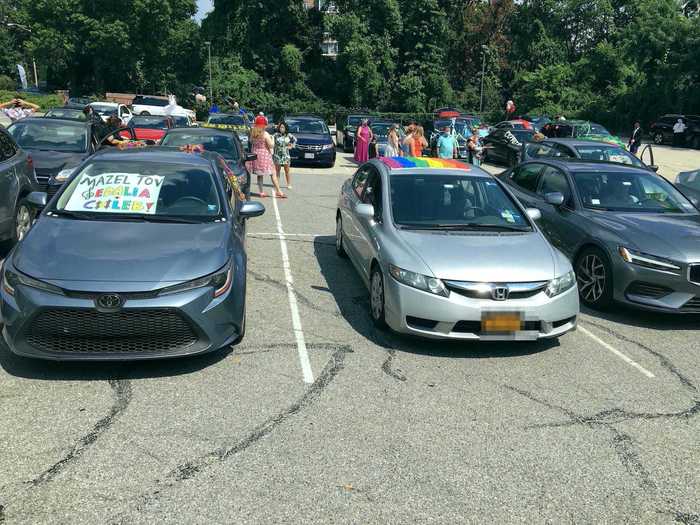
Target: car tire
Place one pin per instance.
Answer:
(658, 138)
(22, 221)
(144, 113)
(594, 278)
(339, 240)
(376, 298)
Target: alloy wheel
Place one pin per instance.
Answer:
(23, 221)
(658, 138)
(377, 297)
(339, 243)
(591, 278)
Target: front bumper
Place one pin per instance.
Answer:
(411, 311)
(183, 324)
(656, 291)
(312, 157)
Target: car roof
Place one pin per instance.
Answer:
(104, 103)
(577, 166)
(227, 114)
(418, 165)
(303, 117)
(577, 142)
(43, 120)
(156, 154)
(201, 131)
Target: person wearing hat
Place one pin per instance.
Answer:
(262, 145)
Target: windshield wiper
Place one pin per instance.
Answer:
(166, 218)
(472, 226)
(72, 214)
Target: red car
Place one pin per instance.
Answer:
(149, 127)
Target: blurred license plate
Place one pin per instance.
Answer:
(309, 155)
(500, 322)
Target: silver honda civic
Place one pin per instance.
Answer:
(448, 253)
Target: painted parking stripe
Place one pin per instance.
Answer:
(306, 370)
(270, 234)
(619, 354)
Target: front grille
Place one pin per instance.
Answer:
(474, 327)
(42, 177)
(654, 291)
(693, 304)
(128, 331)
(516, 291)
(694, 273)
(309, 147)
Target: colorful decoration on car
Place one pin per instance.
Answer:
(395, 163)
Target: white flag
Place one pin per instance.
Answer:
(22, 76)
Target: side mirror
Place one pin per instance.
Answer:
(37, 199)
(365, 210)
(654, 168)
(251, 209)
(250, 157)
(534, 214)
(554, 198)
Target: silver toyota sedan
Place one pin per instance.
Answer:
(448, 253)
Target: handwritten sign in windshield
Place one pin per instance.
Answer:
(116, 193)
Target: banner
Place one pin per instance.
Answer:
(22, 76)
(116, 193)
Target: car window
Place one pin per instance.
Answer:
(149, 101)
(690, 179)
(148, 122)
(552, 181)
(313, 127)
(527, 176)
(609, 154)
(222, 144)
(451, 201)
(7, 147)
(535, 150)
(49, 134)
(562, 151)
(373, 191)
(360, 181)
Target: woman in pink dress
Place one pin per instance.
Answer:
(262, 145)
(362, 140)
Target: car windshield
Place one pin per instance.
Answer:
(228, 120)
(312, 127)
(50, 135)
(589, 128)
(149, 122)
(381, 130)
(180, 121)
(147, 101)
(222, 144)
(690, 179)
(609, 154)
(630, 192)
(67, 113)
(103, 109)
(107, 189)
(432, 201)
(355, 121)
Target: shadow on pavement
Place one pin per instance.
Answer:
(625, 315)
(352, 298)
(94, 371)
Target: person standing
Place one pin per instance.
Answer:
(418, 142)
(406, 143)
(636, 139)
(17, 109)
(262, 147)
(475, 148)
(679, 133)
(393, 148)
(447, 144)
(284, 141)
(363, 138)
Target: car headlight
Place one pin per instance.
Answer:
(220, 281)
(648, 261)
(328, 146)
(559, 285)
(64, 175)
(10, 281)
(421, 282)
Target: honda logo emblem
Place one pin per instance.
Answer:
(499, 293)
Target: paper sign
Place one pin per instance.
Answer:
(116, 193)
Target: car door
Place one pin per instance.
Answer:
(124, 114)
(8, 181)
(524, 180)
(563, 151)
(559, 223)
(496, 143)
(349, 215)
(367, 228)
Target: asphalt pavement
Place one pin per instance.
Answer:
(318, 417)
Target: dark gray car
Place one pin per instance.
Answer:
(16, 182)
(689, 184)
(632, 237)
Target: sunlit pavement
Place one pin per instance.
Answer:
(338, 422)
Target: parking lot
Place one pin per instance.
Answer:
(319, 417)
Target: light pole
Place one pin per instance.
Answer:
(485, 50)
(20, 27)
(211, 88)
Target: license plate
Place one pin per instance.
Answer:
(500, 322)
(309, 156)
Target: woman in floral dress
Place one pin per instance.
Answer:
(284, 141)
(262, 145)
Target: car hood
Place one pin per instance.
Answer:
(308, 138)
(54, 161)
(673, 236)
(78, 255)
(459, 256)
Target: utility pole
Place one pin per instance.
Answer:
(211, 87)
(483, 73)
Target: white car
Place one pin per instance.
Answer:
(160, 106)
(105, 109)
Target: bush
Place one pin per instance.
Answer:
(7, 83)
(44, 100)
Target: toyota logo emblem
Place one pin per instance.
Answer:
(109, 301)
(500, 293)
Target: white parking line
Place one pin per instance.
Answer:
(270, 234)
(619, 354)
(293, 306)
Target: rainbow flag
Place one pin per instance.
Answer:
(397, 163)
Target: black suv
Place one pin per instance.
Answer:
(345, 137)
(314, 143)
(661, 131)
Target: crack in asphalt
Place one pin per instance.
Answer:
(686, 518)
(192, 468)
(121, 391)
